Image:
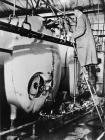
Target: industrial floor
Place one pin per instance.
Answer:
(86, 128)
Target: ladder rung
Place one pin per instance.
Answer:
(93, 92)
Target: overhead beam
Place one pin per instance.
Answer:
(22, 12)
(100, 35)
(32, 34)
(11, 4)
(6, 50)
(71, 13)
(87, 10)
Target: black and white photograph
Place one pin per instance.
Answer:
(52, 69)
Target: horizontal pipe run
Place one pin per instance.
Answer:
(32, 34)
(11, 4)
(100, 35)
(71, 13)
(17, 128)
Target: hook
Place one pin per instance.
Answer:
(29, 34)
(25, 22)
(10, 18)
(13, 16)
(17, 21)
(26, 18)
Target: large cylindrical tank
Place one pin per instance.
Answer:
(35, 60)
(37, 66)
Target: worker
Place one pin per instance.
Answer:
(84, 39)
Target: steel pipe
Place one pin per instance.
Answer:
(17, 128)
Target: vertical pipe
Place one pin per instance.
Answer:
(14, 8)
(98, 20)
(104, 62)
(34, 132)
(104, 52)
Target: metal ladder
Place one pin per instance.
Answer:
(90, 88)
(93, 92)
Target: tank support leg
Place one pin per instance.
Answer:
(34, 132)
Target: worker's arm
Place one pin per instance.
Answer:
(80, 29)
